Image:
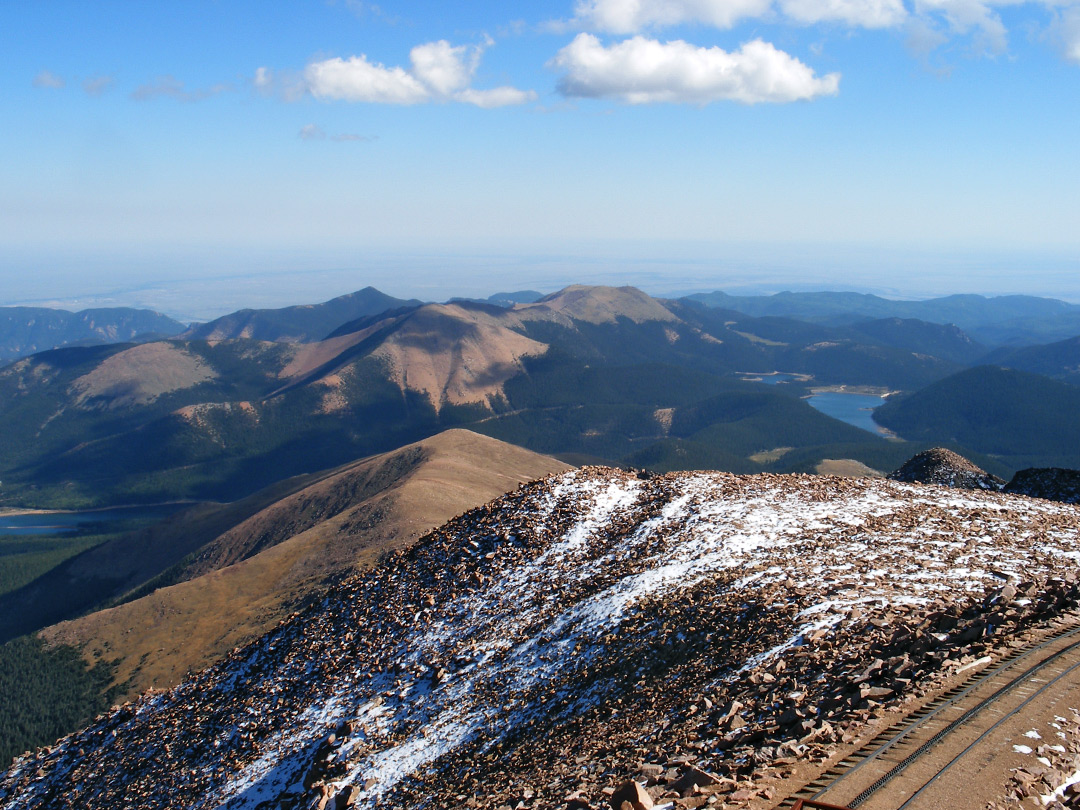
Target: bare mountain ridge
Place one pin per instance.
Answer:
(28, 330)
(594, 617)
(297, 324)
(242, 580)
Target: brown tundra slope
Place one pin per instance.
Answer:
(244, 580)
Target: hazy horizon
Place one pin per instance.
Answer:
(199, 288)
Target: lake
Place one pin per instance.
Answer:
(71, 522)
(851, 408)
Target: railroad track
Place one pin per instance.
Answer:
(881, 760)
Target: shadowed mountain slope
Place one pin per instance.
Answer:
(1059, 360)
(28, 330)
(297, 324)
(243, 581)
(1024, 419)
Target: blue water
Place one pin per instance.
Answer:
(851, 408)
(70, 522)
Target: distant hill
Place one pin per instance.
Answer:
(266, 554)
(1059, 360)
(504, 299)
(297, 324)
(996, 321)
(28, 330)
(945, 341)
(1026, 420)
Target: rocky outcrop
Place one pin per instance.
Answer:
(1049, 483)
(698, 634)
(945, 468)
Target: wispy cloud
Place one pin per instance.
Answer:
(171, 87)
(313, 132)
(48, 79)
(97, 85)
(645, 71)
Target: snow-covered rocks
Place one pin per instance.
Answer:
(555, 641)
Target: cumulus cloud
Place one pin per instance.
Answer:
(643, 71)
(97, 85)
(311, 132)
(439, 71)
(633, 16)
(357, 79)
(171, 87)
(48, 79)
(927, 23)
(861, 13)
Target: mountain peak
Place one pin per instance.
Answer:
(946, 468)
(600, 305)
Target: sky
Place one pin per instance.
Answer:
(202, 155)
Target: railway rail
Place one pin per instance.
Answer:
(880, 761)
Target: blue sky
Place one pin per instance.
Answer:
(173, 147)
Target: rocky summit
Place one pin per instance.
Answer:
(696, 632)
(945, 468)
(1051, 483)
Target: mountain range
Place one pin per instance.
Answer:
(588, 373)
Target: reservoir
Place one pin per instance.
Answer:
(71, 522)
(851, 408)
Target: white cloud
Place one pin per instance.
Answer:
(643, 71)
(496, 97)
(631, 16)
(439, 72)
(444, 68)
(311, 132)
(862, 13)
(49, 80)
(356, 79)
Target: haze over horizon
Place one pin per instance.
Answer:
(200, 157)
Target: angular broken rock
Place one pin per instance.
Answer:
(633, 794)
(694, 777)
